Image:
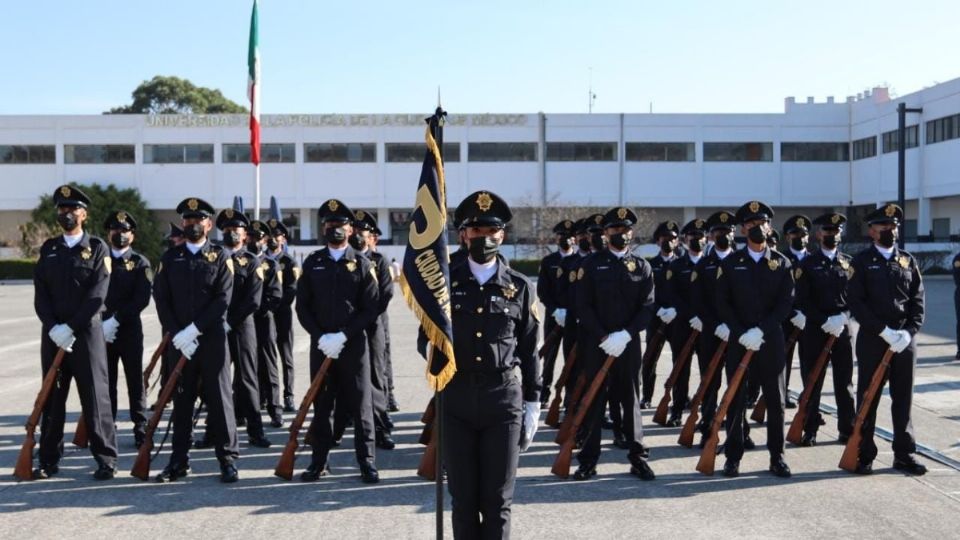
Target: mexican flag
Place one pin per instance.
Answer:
(253, 86)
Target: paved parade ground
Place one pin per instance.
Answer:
(819, 501)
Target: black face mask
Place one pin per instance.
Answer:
(584, 244)
(665, 247)
(887, 238)
(253, 247)
(272, 244)
(798, 244)
(356, 241)
(619, 241)
(335, 235)
(695, 245)
(830, 242)
(565, 243)
(756, 235)
(483, 249)
(598, 241)
(722, 242)
(68, 221)
(231, 239)
(120, 240)
(194, 233)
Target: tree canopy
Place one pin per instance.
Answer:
(173, 95)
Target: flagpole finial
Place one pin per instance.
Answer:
(438, 97)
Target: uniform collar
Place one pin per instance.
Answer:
(349, 254)
(500, 277)
(123, 254)
(886, 253)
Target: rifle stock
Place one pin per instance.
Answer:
(561, 466)
(553, 415)
(285, 464)
(153, 360)
(564, 432)
(24, 467)
(686, 353)
(80, 437)
(760, 409)
(141, 467)
(428, 461)
(851, 453)
(795, 434)
(708, 457)
(429, 414)
(548, 342)
(686, 435)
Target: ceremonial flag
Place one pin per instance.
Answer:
(425, 278)
(253, 86)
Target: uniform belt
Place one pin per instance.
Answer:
(485, 377)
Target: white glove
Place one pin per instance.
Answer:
(531, 417)
(188, 334)
(835, 324)
(902, 342)
(890, 336)
(752, 339)
(560, 315)
(62, 336)
(696, 324)
(110, 327)
(666, 314)
(189, 349)
(799, 319)
(616, 343)
(226, 327)
(722, 331)
(332, 344)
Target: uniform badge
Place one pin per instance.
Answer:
(509, 292)
(580, 273)
(845, 265)
(698, 224)
(86, 253)
(484, 201)
(890, 210)
(360, 215)
(835, 219)
(573, 277)
(121, 217)
(242, 261)
(228, 213)
(598, 219)
(193, 204)
(65, 191)
(351, 266)
(273, 223)
(559, 272)
(904, 261)
(797, 273)
(724, 217)
(754, 206)
(669, 274)
(333, 205)
(622, 213)
(693, 276)
(773, 264)
(211, 256)
(631, 266)
(454, 284)
(129, 265)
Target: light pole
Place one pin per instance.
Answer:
(902, 111)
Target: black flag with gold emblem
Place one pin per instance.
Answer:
(425, 278)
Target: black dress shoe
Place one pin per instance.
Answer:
(790, 404)
(644, 452)
(641, 469)
(644, 403)
(276, 420)
(259, 442)
(748, 443)
(393, 407)
(864, 468)
(105, 472)
(585, 472)
(731, 469)
(620, 441)
(384, 441)
(172, 472)
(808, 439)
(779, 468)
(909, 465)
(821, 420)
(228, 473)
(388, 422)
(45, 471)
(369, 474)
(241, 421)
(314, 472)
(288, 405)
(957, 357)
(674, 421)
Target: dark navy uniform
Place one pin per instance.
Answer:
(659, 265)
(887, 293)
(495, 326)
(551, 285)
(195, 289)
(70, 284)
(283, 315)
(956, 298)
(128, 295)
(267, 353)
(796, 229)
(821, 282)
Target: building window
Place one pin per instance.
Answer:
(747, 151)
(340, 153)
(890, 139)
(98, 153)
(177, 153)
(637, 151)
(943, 129)
(502, 151)
(808, 151)
(269, 153)
(581, 151)
(33, 154)
(865, 148)
(414, 152)
(941, 229)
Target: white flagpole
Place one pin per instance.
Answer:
(256, 194)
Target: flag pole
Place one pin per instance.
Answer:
(256, 193)
(436, 125)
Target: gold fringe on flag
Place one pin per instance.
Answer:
(436, 336)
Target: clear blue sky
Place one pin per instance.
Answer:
(487, 56)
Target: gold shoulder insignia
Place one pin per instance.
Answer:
(242, 261)
(693, 276)
(297, 272)
(850, 272)
(280, 278)
(844, 264)
(559, 272)
(160, 267)
(535, 311)
(107, 263)
(573, 276)
(264, 266)
(580, 273)
(719, 272)
(904, 261)
(259, 272)
(149, 273)
(956, 264)
(230, 265)
(373, 274)
(351, 266)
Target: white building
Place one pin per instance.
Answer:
(813, 156)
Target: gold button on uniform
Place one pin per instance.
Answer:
(479, 334)
(479, 310)
(478, 359)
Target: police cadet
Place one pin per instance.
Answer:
(678, 295)
(267, 353)
(956, 299)
(796, 231)
(336, 303)
(489, 415)
(239, 325)
(70, 283)
(615, 303)
(703, 302)
(192, 291)
(551, 283)
(821, 285)
(170, 354)
(754, 298)
(129, 294)
(666, 236)
(283, 316)
(570, 266)
(885, 295)
(394, 268)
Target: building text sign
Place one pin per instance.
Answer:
(327, 120)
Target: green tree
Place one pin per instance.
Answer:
(173, 95)
(103, 201)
